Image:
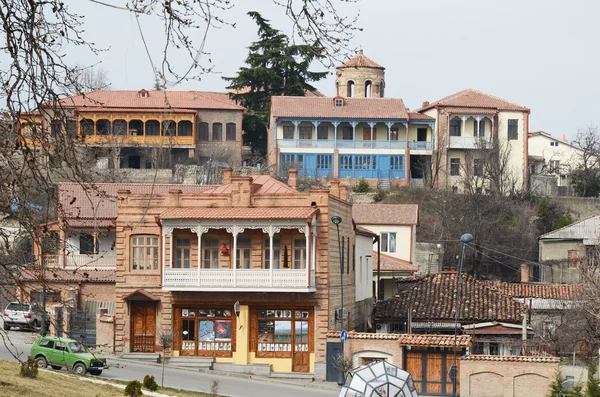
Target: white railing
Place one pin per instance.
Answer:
(242, 278)
(345, 144)
(469, 142)
(83, 260)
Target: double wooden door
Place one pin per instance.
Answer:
(143, 326)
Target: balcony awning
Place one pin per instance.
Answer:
(141, 295)
(304, 213)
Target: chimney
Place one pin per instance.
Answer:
(227, 172)
(334, 190)
(241, 191)
(293, 178)
(344, 192)
(425, 104)
(174, 196)
(524, 273)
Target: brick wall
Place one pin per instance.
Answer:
(494, 378)
(223, 150)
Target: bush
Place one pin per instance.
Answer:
(29, 368)
(362, 186)
(379, 195)
(133, 389)
(149, 383)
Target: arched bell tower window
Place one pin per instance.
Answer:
(350, 91)
(368, 86)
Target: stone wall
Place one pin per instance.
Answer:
(105, 332)
(506, 376)
(580, 207)
(390, 350)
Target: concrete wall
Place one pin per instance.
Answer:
(554, 254)
(364, 268)
(481, 378)
(404, 240)
(580, 207)
(428, 257)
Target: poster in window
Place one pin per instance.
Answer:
(184, 312)
(206, 331)
(223, 330)
(266, 332)
(226, 313)
(283, 331)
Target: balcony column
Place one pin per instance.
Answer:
(477, 120)
(200, 230)
(234, 230)
(275, 132)
(313, 260)
(371, 124)
(306, 230)
(432, 126)
(271, 230)
(315, 123)
(335, 126)
(389, 133)
(354, 133)
(166, 231)
(296, 133)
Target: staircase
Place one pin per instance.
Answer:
(384, 183)
(192, 362)
(146, 357)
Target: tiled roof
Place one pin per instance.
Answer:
(93, 109)
(364, 335)
(535, 290)
(586, 229)
(392, 264)
(434, 340)
(81, 202)
(475, 99)
(385, 214)
(62, 275)
(419, 116)
(108, 99)
(324, 108)
(432, 298)
(360, 61)
(364, 232)
(470, 110)
(239, 213)
(523, 359)
(264, 184)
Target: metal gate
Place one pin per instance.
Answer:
(59, 322)
(334, 350)
(83, 327)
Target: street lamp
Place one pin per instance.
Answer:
(464, 239)
(336, 220)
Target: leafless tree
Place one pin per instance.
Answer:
(88, 78)
(586, 176)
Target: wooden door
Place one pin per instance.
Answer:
(366, 134)
(143, 326)
(301, 350)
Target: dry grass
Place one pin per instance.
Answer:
(62, 385)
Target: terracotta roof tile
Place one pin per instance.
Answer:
(470, 110)
(392, 264)
(364, 232)
(364, 335)
(526, 359)
(360, 61)
(109, 99)
(419, 116)
(62, 275)
(535, 290)
(324, 108)
(432, 298)
(239, 213)
(385, 214)
(264, 184)
(475, 99)
(434, 340)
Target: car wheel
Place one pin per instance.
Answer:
(36, 324)
(41, 361)
(79, 369)
(56, 367)
(6, 327)
(96, 372)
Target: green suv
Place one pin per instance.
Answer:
(69, 353)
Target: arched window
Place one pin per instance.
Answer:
(350, 91)
(136, 127)
(217, 132)
(230, 132)
(103, 127)
(203, 132)
(168, 128)
(152, 128)
(184, 128)
(86, 127)
(119, 127)
(368, 86)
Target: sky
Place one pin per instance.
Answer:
(542, 54)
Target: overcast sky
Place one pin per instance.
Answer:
(542, 54)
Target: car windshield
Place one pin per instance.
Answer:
(76, 347)
(18, 307)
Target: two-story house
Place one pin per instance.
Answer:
(356, 134)
(393, 255)
(245, 274)
(141, 129)
(480, 142)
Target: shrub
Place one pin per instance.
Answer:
(149, 383)
(362, 186)
(29, 368)
(133, 389)
(379, 195)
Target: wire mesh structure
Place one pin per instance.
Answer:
(379, 379)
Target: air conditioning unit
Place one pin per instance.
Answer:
(338, 314)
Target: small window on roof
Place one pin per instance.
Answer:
(143, 94)
(339, 102)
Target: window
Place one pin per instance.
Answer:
(86, 127)
(211, 253)
(168, 128)
(365, 162)
(119, 127)
(217, 132)
(345, 162)
(324, 161)
(322, 132)
(152, 128)
(339, 103)
(136, 127)
(182, 253)
(203, 132)
(305, 132)
(300, 254)
(61, 346)
(350, 89)
(242, 260)
(72, 128)
(555, 166)
(477, 167)
(394, 134)
(455, 127)
(454, 167)
(397, 163)
(288, 132)
(347, 133)
(573, 258)
(513, 129)
(388, 242)
(87, 244)
(206, 331)
(231, 133)
(144, 252)
(368, 86)
(553, 143)
(396, 328)
(184, 128)
(481, 131)
(276, 254)
(47, 343)
(56, 128)
(279, 332)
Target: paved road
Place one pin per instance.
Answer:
(18, 342)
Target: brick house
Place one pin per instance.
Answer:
(245, 274)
